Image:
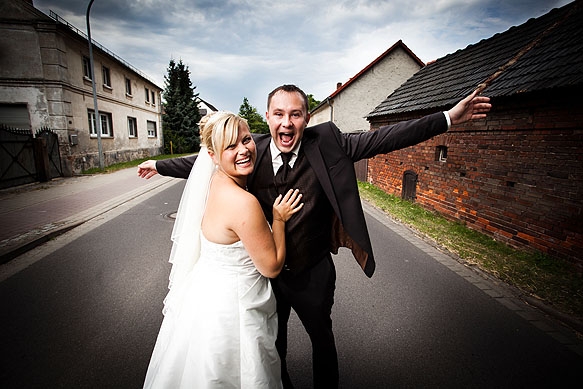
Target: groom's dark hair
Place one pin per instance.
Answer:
(289, 89)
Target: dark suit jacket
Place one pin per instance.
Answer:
(332, 154)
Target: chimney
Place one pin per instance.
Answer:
(338, 85)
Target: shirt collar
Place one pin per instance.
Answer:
(276, 155)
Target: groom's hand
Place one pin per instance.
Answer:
(471, 108)
(147, 169)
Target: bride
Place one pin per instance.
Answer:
(220, 321)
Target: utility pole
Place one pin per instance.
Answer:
(97, 118)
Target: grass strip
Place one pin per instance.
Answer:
(546, 278)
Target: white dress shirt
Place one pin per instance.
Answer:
(276, 160)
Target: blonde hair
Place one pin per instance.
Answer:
(219, 130)
(203, 121)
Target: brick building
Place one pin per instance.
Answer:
(517, 175)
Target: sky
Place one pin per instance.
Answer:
(242, 48)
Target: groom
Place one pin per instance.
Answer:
(320, 163)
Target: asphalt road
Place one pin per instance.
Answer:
(83, 311)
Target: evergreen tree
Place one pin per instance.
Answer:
(181, 115)
(257, 124)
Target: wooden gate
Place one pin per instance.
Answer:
(409, 191)
(52, 150)
(17, 165)
(361, 169)
(25, 159)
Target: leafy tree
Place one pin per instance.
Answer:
(312, 102)
(181, 115)
(257, 124)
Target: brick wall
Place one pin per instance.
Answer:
(517, 176)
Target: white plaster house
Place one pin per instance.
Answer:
(205, 107)
(45, 81)
(349, 104)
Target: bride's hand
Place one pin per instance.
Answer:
(285, 206)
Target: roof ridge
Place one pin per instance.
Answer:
(524, 50)
(543, 53)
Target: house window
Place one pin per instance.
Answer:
(86, 68)
(147, 95)
(128, 87)
(153, 98)
(132, 127)
(151, 129)
(106, 77)
(441, 153)
(105, 120)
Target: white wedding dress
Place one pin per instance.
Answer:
(219, 331)
(220, 320)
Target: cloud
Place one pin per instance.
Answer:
(243, 48)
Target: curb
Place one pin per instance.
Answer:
(23, 248)
(564, 328)
(16, 246)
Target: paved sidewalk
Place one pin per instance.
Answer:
(34, 213)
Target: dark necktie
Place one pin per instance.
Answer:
(281, 175)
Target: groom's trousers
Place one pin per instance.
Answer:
(311, 295)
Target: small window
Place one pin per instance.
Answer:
(106, 77)
(147, 95)
(128, 87)
(132, 127)
(151, 129)
(86, 68)
(441, 154)
(153, 98)
(105, 120)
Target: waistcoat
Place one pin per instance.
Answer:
(308, 232)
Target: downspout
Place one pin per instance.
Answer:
(331, 110)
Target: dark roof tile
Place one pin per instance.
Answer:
(543, 53)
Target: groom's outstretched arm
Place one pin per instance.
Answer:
(173, 167)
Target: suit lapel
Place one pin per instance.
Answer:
(314, 157)
(261, 146)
